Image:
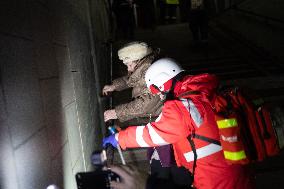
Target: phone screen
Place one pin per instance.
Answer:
(95, 180)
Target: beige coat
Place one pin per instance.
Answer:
(143, 104)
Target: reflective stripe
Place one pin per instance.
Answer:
(235, 156)
(203, 152)
(155, 137)
(193, 111)
(139, 137)
(158, 118)
(227, 123)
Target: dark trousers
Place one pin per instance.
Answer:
(171, 177)
(162, 10)
(184, 7)
(198, 24)
(147, 14)
(171, 10)
(125, 23)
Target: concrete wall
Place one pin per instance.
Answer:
(53, 60)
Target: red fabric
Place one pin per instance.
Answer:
(270, 141)
(221, 105)
(259, 128)
(154, 89)
(251, 122)
(164, 88)
(174, 126)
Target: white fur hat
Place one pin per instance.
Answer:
(133, 51)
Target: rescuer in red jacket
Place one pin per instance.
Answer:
(182, 119)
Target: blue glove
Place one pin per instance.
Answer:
(110, 140)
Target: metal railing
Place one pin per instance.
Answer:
(268, 18)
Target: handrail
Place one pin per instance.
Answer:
(258, 15)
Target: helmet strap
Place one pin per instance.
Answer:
(169, 95)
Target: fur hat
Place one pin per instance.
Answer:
(133, 51)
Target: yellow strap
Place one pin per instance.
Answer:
(235, 156)
(227, 123)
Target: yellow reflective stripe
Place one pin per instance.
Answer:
(235, 156)
(227, 123)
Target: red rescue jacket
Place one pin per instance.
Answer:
(181, 118)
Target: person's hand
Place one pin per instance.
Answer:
(130, 178)
(109, 114)
(110, 140)
(107, 89)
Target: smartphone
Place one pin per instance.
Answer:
(98, 179)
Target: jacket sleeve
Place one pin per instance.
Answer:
(169, 128)
(141, 106)
(120, 83)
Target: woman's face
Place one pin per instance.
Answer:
(131, 66)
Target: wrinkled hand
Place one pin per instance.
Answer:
(107, 89)
(109, 114)
(131, 178)
(110, 140)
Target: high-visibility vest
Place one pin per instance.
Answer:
(173, 2)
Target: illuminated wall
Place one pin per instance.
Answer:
(53, 59)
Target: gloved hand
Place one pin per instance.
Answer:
(110, 140)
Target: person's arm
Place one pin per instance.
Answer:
(139, 107)
(167, 129)
(120, 83)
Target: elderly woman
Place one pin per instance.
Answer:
(144, 107)
(137, 56)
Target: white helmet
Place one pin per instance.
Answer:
(133, 51)
(160, 72)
